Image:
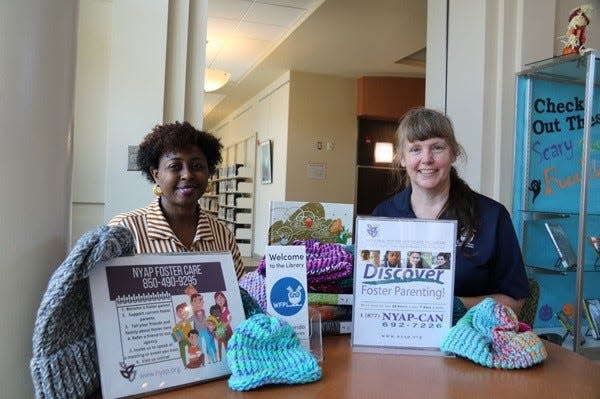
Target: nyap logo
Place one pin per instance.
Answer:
(373, 230)
(288, 296)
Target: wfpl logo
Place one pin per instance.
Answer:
(288, 296)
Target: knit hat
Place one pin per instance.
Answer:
(265, 350)
(489, 334)
(254, 283)
(326, 263)
(65, 363)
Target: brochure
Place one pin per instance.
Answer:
(286, 287)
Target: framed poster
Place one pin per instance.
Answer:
(266, 171)
(403, 284)
(163, 320)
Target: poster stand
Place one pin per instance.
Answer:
(315, 334)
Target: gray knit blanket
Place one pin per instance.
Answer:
(64, 362)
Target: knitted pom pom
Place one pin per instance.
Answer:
(265, 350)
(490, 334)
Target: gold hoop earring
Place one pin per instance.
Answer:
(209, 187)
(156, 190)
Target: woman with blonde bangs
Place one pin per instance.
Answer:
(488, 258)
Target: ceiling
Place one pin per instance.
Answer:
(259, 40)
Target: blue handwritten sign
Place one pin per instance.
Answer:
(554, 140)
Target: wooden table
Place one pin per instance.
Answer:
(348, 374)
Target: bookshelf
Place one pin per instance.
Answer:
(231, 197)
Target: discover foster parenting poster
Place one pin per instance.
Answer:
(404, 276)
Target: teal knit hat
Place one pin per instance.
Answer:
(265, 350)
(489, 334)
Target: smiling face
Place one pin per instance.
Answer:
(193, 338)
(428, 163)
(427, 148)
(414, 258)
(374, 257)
(220, 300)
(182, 313)
(182, 177)
(197, 303)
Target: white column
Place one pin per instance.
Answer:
(37, 69)
(135, 96)
(156, 75)
(435, 75)
(177, 47)
(196, 62)
(487, 41)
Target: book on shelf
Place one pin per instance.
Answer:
(595, 241)
(243, 233)
(567, 258)
(243, 202)
(565, 321)
(336, 327)
(325, 298)
(591, 307)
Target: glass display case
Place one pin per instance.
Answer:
(556, 203)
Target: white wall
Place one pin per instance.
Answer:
(322, 109)
(435, 71)
(274, 111)
(265, 115)
(91, 115)
(37, 66)
(135, 96)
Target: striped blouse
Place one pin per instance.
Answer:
(152, 234)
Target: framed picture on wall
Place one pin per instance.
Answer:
(266, 170)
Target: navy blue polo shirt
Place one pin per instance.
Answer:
(491, 263)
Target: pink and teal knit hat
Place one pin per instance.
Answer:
(490, 334)
(265, 350)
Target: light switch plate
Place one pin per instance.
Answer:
(132, 151)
